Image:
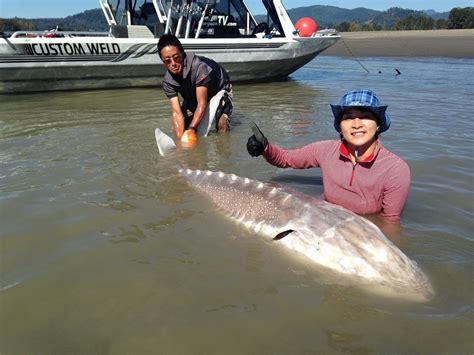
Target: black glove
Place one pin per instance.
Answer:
(256, 143)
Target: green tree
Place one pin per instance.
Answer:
(415, 23)
(368, 26)
(460, 18)
(16, 24)
(353, 27)
(343, 27)
(441, 24)
(371, 26)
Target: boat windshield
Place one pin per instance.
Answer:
(190, 18)
(126, 12)
(227, 18)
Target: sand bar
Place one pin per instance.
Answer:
(435, 43)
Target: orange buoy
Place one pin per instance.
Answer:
(306, 26)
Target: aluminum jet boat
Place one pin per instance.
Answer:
(126, 55)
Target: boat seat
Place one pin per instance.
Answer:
(134, 31)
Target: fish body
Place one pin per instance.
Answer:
(327, 234)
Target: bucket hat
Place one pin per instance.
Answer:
(365, 99)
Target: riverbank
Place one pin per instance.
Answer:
(434, 43)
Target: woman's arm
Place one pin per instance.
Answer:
(299, 158)
(395, 193)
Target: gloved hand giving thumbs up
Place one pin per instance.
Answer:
(256, 143)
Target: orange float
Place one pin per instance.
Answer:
(306, 26)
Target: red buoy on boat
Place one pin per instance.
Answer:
(306, 26)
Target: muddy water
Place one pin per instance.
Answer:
(104, 249)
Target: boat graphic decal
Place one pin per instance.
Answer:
(58, 59)
(65, 49)
(107, 52)
(232, 46)
(137, 51)
(59, 52)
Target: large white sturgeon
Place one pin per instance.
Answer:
(329, 235)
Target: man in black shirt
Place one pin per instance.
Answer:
(204, 86)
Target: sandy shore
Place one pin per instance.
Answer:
(436, 43)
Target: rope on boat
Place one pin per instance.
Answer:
(357, 60)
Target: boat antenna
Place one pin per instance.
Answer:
(182, 9)
(201, 20)
(189, 18)
(351, 53)
(168, 18)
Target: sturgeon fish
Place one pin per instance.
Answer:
(329, 235)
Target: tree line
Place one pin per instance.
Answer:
(89, 20)
(459, 18)
(92, 20)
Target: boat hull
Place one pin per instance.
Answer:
(47, 64)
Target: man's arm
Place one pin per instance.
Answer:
(201, 95)
(177, 118)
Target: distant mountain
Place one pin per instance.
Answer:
(390, 17)
(437, 15)
(325, 16)
(330, 16)
(89, 20)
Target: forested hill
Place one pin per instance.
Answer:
(326, 16)
(331, 16)
(89, 20)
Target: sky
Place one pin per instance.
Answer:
(63, 8)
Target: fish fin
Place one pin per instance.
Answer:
(164, 142)
(282, 234)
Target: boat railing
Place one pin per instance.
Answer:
(107, 10)
(57, 34)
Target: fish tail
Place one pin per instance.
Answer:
(164, 142)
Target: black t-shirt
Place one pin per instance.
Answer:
(197, 71)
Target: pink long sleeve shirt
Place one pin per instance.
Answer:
(379, 184)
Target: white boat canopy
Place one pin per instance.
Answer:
(195, 19)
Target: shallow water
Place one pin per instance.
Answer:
(104, 249)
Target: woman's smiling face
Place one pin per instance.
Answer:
(358, 126)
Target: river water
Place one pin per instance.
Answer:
(106, 250)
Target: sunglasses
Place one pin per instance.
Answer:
(174, 58)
